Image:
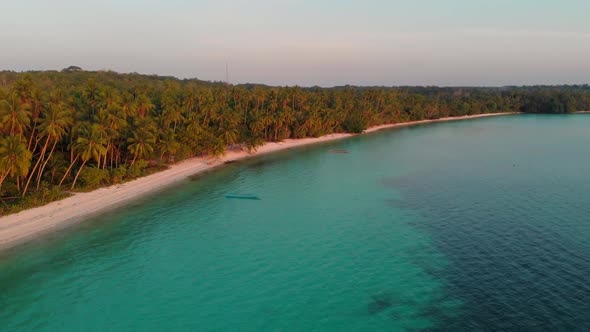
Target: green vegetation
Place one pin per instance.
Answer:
(79, 130)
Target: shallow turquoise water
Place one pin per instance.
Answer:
(470, 225)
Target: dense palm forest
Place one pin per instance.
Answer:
(77, 130)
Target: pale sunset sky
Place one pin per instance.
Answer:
(304, 42)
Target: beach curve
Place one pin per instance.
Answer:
(22, 227)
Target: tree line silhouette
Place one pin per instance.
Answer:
(78, 130)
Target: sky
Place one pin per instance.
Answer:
(305, 42)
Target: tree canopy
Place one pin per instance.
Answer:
(79, 130)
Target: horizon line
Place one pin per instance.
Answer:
(483, 86)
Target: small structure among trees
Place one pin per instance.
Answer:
(71, 69)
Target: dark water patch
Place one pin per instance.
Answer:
(261, 163)
(511, 253)
(412, 313)
(218, 171)
(401, 181)
(379, 303)
(401, 204)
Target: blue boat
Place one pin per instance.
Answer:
(242, 196)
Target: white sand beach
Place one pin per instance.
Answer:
(27, 225)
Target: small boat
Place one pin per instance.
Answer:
(242, 196)
(338, 151)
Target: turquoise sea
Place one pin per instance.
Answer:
(458, 226)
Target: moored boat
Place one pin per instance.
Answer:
(242, 196)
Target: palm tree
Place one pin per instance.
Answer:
(127, 105)
(15, 158)
(171, 116)
(107, 97)
(23, 87)
(15, 116)
(53, 127)
(228, 122)
(168, 145)
(143, 105)
(229, 135)
(88, 145)
(141, 144)
(56, 166)
(91, 94)
(105, 120)
(116, 124)
(37, 107)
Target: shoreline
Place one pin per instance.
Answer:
(23, 227)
